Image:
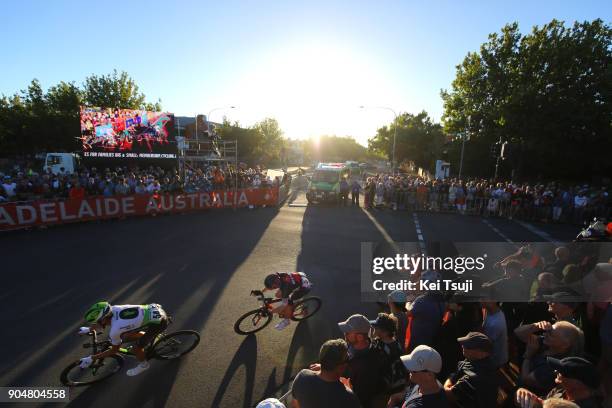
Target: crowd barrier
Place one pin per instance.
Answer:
(483, 206)
(19, 215)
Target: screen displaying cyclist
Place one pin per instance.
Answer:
(128, 323)
(289, 287)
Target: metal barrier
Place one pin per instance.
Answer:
(441, 202)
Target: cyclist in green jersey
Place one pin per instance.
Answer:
(128, 323)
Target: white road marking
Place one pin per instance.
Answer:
(498, 232)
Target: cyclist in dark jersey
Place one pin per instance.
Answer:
(289, 287)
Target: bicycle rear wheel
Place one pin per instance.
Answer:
(252, 322)
(175, 345)
(305, 308)
(75, 376)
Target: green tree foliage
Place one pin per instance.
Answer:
(335, 149)
(272, 142)
(418, 139)
(548, 93)
(115, 90)
(34, 121)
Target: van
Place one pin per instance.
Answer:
(324, 185)
(55, 162)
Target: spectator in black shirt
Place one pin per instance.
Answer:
(365, 365)
(385, 327)
(474, 384)
(322, 387)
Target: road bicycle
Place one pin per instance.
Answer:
(166, 346)
(257, 319)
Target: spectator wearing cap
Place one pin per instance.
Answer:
(576, 381)
(474, 383)
(385, 327)
(365, 365)
(563, 306)
(323, 388)
(270, 403)
(397, 305)
(544, 340)
(494, 326)
(426, 314)
(423, 364)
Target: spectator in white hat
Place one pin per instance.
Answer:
(270, 403)
(423, 364)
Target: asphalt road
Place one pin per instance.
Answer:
(201, 268)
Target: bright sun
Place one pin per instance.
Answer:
(314, 90)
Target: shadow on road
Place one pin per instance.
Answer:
(246, 355)
(181, 262)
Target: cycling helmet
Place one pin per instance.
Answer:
(97, 312)
(272, 280)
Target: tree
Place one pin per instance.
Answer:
(249, 140)
(418, 139)
(272, 142)
(35, 121)
(116, 90)
(546, 92)
(335, 149)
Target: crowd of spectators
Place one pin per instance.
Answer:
(25, 184)
(550, 202)
(440, 349)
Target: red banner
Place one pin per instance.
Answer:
(37, 213)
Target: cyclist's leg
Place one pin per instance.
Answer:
(149, 335)
(294, 297)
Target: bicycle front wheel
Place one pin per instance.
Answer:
(75, 376)
(175, 345)
(305, 308)
(252, 322)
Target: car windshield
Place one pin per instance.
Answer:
(325, 176)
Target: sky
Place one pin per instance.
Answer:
(308, 64)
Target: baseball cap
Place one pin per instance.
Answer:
(423, 358)
(270, 403)
(567, 298)
(355, 324)
(476, 341)
(385, 322)
(577, 368)
(397, 296)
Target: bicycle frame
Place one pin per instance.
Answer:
(105, 344)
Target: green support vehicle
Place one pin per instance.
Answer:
(325, 183)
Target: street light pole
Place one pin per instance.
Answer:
(394, 132)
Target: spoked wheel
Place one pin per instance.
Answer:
(175, 345)
(305, 308)
(252, 322)
(75, 376)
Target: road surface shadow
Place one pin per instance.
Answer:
(245, 355)
(180, 262)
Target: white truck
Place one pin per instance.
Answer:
(55, 162)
